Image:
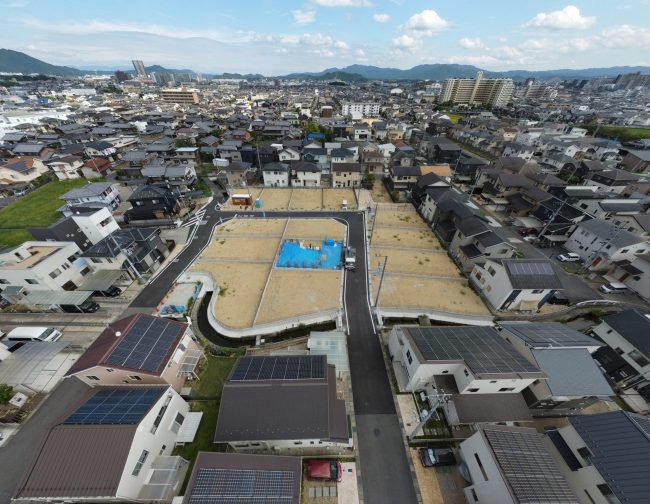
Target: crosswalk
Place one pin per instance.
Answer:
(195, 219)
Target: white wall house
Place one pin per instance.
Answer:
(515, 284)
(276, 175)
(67, 168)
(304, 174)
(98, 192)
(21, 170)
(288, 154)
(43, 265)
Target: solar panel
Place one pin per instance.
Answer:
(482, 349)
(293, 367)
(226, 486)
(145, 345)
(530, 268)
(116, 406)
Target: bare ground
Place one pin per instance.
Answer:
(236, 227)
(306, 199)
(240, 248)
(332, 199)
(414, 261)
(405, 238)
(403, 219)
(275, 198)
(315, 228)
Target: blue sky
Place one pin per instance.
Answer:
(281, 36)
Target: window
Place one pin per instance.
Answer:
(488, 288)
(493, 381)
(178, 421)
(109, 370)
(140, 463)
(297, 443)
(409, 357)
(480, 466)
(478, 275)
(538, 291)
(638, 357)
(3, 281)
(135, 377)
(624, 250)
(466, 372)
(31, 281)
(506, 389)
(604, 489)
(474, 496)
(585, 454)
(92, 377)
(95, 260)
(55, 273)
(589, 497)
(85, 271)
(472, 390)
(162, 449)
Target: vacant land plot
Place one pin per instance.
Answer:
(292, 293)
(265, 227)
(404, 238)
(306, 199)
(36, 209)
(414, 262)
(315, 228)
(333, 198)
(240, 287)
(242, 248)
(452, 296)
(402, 219)
(379, 193)
(275, 199)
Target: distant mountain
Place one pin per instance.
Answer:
(227, 75)
(327, 75)
(439, 71)
(160, 69)
(15, 61)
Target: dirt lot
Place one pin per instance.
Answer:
(241, 287)
(292, 293)
(275, 199)
(234, 227)
(379, 193)
(242, 248)
(410, 220)
(405, 238)
(315, 228)
(306, 199)
(415, 262)
(332, 199)
(436, 294)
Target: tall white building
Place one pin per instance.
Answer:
(138, 65)
(493, 92)
(361, 109)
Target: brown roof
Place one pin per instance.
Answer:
(78, 461)
(106, 342)
(98, 164)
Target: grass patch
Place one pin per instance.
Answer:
(454, 118)
(621, 133)
(212, 377)
(36, 209)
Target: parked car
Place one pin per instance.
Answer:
(613, 288)
(559, 299)
(324, 470)
(85, 307)
(568, 257)
(527, 231)
(436, 456)
(112, 291)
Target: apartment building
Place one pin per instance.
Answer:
(493, 92)
(183, 96)
(360, 109)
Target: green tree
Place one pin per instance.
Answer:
(184, 143)
(6, 393)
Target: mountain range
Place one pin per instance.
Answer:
(15, 61)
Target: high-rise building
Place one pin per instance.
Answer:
(138, 65)
(493, 92)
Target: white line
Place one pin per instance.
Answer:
(368, 290)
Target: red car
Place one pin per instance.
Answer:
(325, 470)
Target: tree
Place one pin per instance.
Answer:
(121, 76)
(6, 393)
(184, 143)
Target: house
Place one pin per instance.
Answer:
(137, 251)
(273, 478)
(346, 174)
(66, 167)
(43, 265)
(187, 155)
(305, 174)
(298, 397)
(428, 180)
(104, 193)
(276, 175)
(612, 180)
(626, 358)
(600, 243)
(603, 456)
(174, 173)
(574, 380)
(513, 149)
(515, 284)
(512, 465)
(401, 178)
(475, 241)
(96, 167)
(140, 350)
(237, 173)
(84, 228)
(360, 132)
(288, 154)
(21, 170)
(342, 155)
(443, 150)
(318, 156)
(114, 445)
(31, 149)
(635, 274)
(153, 201)
(637, 161)
(100, 149)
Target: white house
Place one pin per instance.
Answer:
(515, 284)
(512, 465)
(67, 167)
(346, 174)
(276, 175)
(635, 274)
(105, 193)
(288, 154)
(305, 174)
(43, 265)
(21, 169)
(361, 132)
(114, 445)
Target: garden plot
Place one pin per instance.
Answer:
(333, 198)
(306, 199)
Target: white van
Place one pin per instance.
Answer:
(613, 288)
(34, 334)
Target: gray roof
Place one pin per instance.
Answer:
(87, 191)
(620, 447)
(472, 226)
(572, 372)
(549, 335)
(490, 238)
(634, 326)
(531, 274)
(481, 348)
(605, 229)
(527, 467)
(25, 365)
(346, 167)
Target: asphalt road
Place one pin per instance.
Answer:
(385, 471)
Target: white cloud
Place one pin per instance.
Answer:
(406, 43)
(471, 43)
(343, 3)
(626, 36)
(360, 53)
(323, 53)
(381, 18)
(476, 60)
(425, 23)
(563, 46)
(316, 39)
(303, 17)
(343, 46)
(568, 18)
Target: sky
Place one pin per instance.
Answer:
(276, 37)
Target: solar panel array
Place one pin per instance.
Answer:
(292, 367)
(550, 334)
(145, 345)
(530, 268)
(116, 406)
(234, 486)
(529, 469)
(482, 349)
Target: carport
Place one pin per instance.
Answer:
(101, 280)
(47, 297)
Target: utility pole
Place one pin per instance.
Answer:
(381, 280)
(126, 255)
(439, 398)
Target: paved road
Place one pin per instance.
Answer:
(385, 472)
